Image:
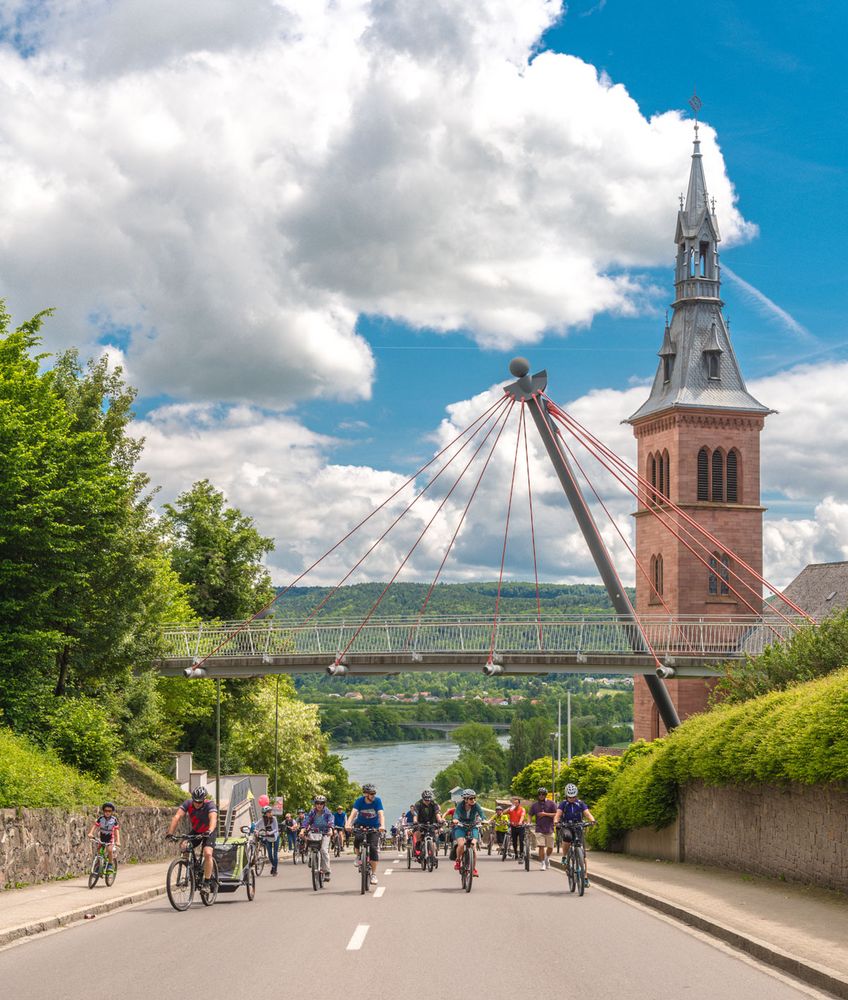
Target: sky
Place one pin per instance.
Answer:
(314, 232)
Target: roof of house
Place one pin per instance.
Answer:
(821, 589)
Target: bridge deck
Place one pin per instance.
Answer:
(694, 647)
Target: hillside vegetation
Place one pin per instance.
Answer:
(799, 734)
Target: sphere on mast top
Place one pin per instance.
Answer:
(519, 367)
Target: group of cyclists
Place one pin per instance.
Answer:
(366, 823)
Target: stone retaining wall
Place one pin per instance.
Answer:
(797, 832)
(41, 844)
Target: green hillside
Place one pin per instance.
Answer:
(356, 600)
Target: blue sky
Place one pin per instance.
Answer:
(312, 230)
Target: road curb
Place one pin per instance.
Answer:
(808, 972)
(34, 927)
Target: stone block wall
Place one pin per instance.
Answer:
(798, 832)
(41, 844)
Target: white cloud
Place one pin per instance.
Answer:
(230, 185)
(768, 307)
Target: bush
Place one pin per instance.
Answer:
(796, 735)
(82, 736)
(591, 774)
(30, 776)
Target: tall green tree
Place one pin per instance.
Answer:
(217, 552)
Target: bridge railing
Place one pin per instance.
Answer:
(589, 634)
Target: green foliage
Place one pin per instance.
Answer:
(217, 552)
(481, 764)
(591, 774)
(149, 782)
(814, 651)
(82, 736)
(31, 776)
(465, 772)
(537, 774)
(796, 735)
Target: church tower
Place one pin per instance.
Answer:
(698, 438)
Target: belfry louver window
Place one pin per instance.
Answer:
(703, 474)
(733, 476)
(717, 493)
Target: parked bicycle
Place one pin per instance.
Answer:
(101, 865)
(185, 874)
(575, 857)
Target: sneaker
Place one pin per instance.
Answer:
(274, 871)
(456, 867)
(541, 866)
(475, 873)
(326, 876)
(358, 863)
(373, 880)
(586, 881)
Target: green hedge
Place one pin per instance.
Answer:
(796, 735)
(591, 774)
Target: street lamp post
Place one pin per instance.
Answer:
(276, 733)
(218, 741)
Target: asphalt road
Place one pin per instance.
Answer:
(517, 933)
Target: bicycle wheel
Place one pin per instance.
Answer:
(179, 884)
(526, 855)
(316, 873)
(259, 859)
(94, 873)
(489, 848)
(365, 872)
(209, 894)
(580, 873)
(110, 872)
(409, 856)
(505, 848)
(471, 855)
(250, 883)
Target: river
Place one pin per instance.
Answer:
(401, 771)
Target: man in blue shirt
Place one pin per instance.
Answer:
(339, 823)
(468, 812)
(570, 811)
(367, 820)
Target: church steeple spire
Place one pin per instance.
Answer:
(697, 237)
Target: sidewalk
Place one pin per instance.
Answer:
(799, 929)
(44, 907)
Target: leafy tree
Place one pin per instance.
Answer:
(217, 552)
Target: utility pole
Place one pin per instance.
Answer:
(528, 389)
(218, 742)
(276, 733)
(568, 725)
(559, 735)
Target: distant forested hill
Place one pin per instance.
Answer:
(448, 599)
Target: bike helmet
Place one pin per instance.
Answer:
(369, 789)
(108, 805)
(319, 800)
(541, 791)
(199, 794)
(571, 791)
(267, 809)
(426, 795)
(469, 793)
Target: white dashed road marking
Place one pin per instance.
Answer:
(358, 937)
(389, 871)
(379, 891)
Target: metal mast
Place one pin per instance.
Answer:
(529, 388)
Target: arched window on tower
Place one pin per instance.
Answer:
(692, 264)
(666, 464)
(660, 476)
(656, 578)
(733, 476)
(703, 474)
(705, 249)
(717, 491)
(713, 365)
(652, 477)
(719, 579)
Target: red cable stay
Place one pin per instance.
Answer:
(532, 528)
(248, 621)
(406, 558)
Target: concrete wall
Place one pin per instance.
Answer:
(41, 844)
(799, 832)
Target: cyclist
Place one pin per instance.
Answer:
(268, 831)
(467, 812)
(426, 811)
(202, 814)
(517, 816)
(109, 830)
(367, 812)
(320, 819)
(572, 810)
(300, 818)
(544, 809)
(339, 821)
(500, 821)
(290, 825)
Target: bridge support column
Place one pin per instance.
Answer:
(529, 390)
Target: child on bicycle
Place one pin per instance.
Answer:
(109, 830)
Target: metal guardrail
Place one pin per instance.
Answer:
(584, 635)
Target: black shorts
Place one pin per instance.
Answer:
(206, 839)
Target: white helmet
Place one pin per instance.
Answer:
(571, 791)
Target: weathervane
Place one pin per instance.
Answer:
(695, 103)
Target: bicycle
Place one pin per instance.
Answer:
(254, 851)
(314, 850)
(364, 860)
(524, 856)
(102, 866)
(428, 855)
(469, 857)
(575, 857)
(336, 841)
(185, 874)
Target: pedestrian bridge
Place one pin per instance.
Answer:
(605, 644)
